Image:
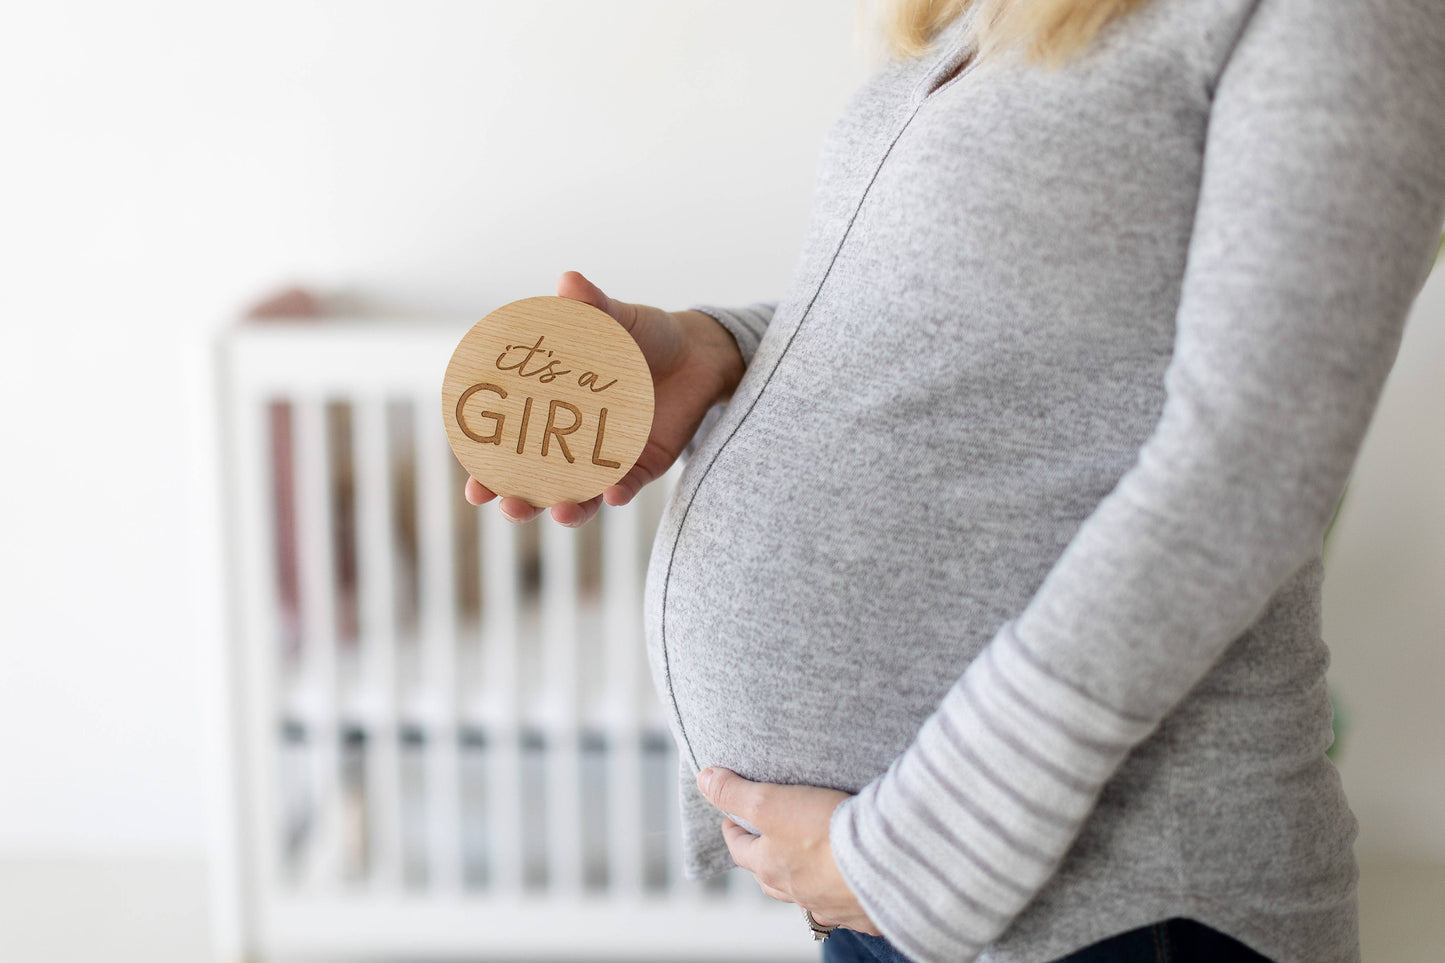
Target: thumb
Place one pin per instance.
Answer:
(731, 793)
(575, 286)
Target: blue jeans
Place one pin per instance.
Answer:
(1177, 940)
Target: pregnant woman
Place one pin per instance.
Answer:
(987, 610)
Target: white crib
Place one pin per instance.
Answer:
(441, 733)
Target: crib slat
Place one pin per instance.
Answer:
(501, 617)
(501, 622)
(260, 610)
(621, 605)
(316, 576)
(301, 365)
(438, 628)
(560, 709)
(377, 587)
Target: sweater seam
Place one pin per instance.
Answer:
(1244, 922)
(707, 469)
(1174, 828)
(1244, 23)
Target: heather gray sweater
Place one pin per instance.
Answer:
(1013, 526)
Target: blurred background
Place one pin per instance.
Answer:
(175, 790)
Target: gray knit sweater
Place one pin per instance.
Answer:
(1013, 526)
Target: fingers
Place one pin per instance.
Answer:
(573, 514)
(619, 494)
(477, 493)
(573, 285)
(517, 510)
(733, 794)
(742, 845)
(626, 490)
(776, 894)
(651, 465)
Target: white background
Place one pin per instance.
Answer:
(165, 163)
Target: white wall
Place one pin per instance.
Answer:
(165, 162)
(1384, 611)
(173, 160)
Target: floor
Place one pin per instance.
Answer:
(1402, 912)
(120, 910)
(150, 910)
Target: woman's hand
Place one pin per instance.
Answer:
(695, 363)
(791, 859)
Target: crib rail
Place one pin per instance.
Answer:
(448, 742)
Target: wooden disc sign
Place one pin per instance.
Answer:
(548, 400)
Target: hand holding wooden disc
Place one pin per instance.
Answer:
(548, 400)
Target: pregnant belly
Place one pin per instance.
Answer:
(805, 633)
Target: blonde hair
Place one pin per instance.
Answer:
(1049, 32)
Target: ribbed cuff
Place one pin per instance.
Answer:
(746, 325)
(945, 848)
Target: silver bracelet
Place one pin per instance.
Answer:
(820, 932)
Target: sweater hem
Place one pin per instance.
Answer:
(1153, 906)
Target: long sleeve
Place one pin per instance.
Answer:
(1320, 207)
(745, 324)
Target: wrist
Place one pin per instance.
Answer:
(714, 347)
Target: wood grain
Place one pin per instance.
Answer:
(547, 399)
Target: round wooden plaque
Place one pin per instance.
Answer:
(548, 400)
